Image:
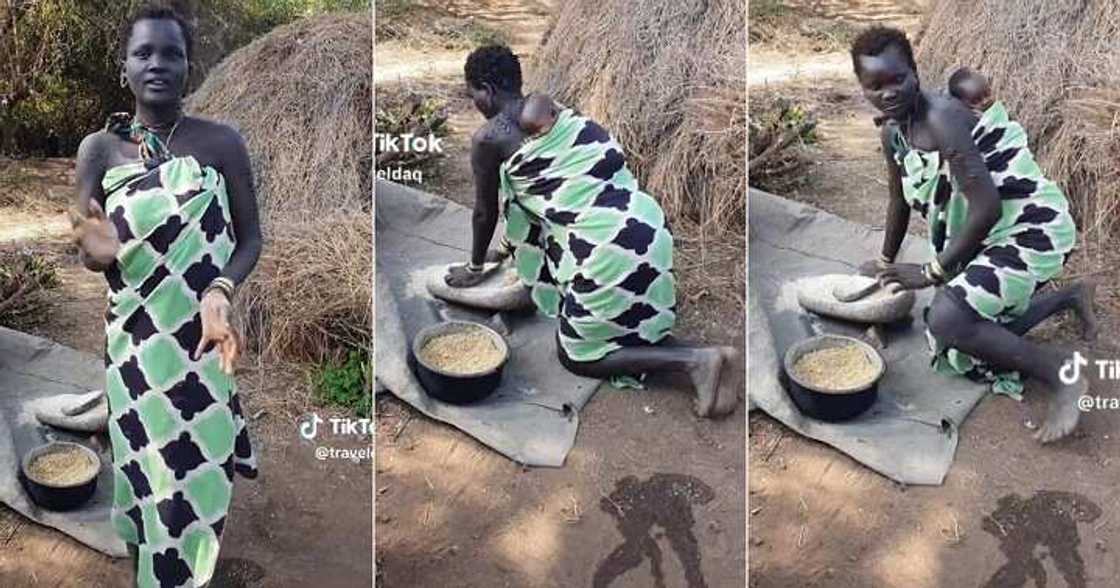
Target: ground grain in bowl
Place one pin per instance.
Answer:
(835, 368)
(465, 352)
(61, 467)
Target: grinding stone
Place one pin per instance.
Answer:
(816, 294)
(501, 290)
(86, 413)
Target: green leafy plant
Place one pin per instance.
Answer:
(346, 384)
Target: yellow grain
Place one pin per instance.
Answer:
(62, 467)
(835, 368)
(465, 352)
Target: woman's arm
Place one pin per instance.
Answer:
(485, 163)
(90, 169)
(94, 234)
(898, 212)
(952, 126)
(238, 172)
(486, 160)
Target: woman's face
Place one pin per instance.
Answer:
(483, 99)
(155, 62)
(889, 83)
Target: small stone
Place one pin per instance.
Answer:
(1030, 424)
(648, 409)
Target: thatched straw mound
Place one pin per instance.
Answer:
(668, 79)
(301, 96)
(1056, 66)
(315, 282)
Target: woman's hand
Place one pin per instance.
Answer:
(459, 276)
(96, 237)
(904, 276)
(217, 330)
(872, 268)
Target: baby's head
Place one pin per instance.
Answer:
(971, 88)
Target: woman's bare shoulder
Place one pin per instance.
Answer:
(94, 150)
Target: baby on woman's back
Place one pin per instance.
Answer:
(968, 86)
(972, 88)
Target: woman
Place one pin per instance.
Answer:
(593, 248)
(999, 229)
(167, 211)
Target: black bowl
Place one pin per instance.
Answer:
(55, 496)
(831, 405)
(457, 388)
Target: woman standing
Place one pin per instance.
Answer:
(999, 229)
(592, 247)
(167, 211)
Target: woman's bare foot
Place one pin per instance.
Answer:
(705, 378)
(1085, 309)
(730, 382)
(1063, 413)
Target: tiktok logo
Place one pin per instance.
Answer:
(1071, 370)
(309, 429)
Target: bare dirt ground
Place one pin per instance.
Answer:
(452, 512)
(1011, 512)
(296, 497)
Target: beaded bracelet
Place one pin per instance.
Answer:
(929, 274)
(222, 284)
(937, 269)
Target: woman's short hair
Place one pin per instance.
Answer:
(154, 11)
(496, 65)
(876, 39)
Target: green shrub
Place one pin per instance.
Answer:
(346, 384)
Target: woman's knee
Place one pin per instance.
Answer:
(947, 321)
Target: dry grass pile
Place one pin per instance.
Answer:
(1056, 65)
(25, 277)
(315, 283)
(668, 79)
(301, 97)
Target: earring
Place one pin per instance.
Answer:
(124, 81)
